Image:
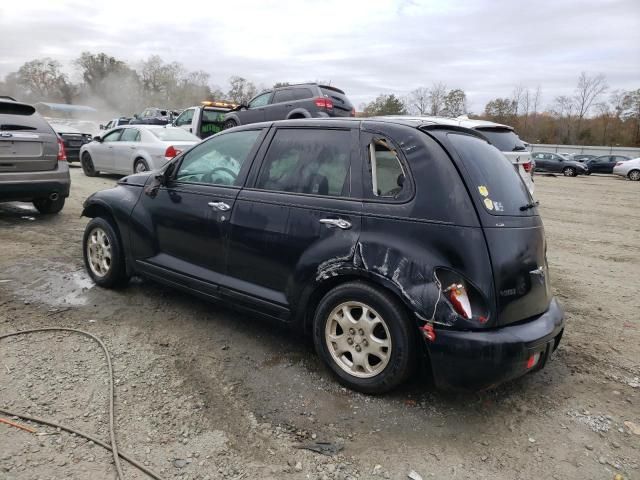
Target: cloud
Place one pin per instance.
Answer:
(366, 48)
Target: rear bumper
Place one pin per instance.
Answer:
(464, 360)
(27, 186)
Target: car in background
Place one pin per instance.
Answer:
(377, 237)
(304, 100)
(629, 169)
(503, 137)
(204, 120)
(557, 163)
(134, 149)
(72, 138)
(116, 122)
(33, 164)
(605, 163)
(155, 116)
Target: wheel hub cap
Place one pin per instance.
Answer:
(358, 339)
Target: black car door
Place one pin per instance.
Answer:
(303, 208)
(181, 232)
(599, 165)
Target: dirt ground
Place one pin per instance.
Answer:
(203, 392)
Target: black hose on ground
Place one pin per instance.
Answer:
(113, 447)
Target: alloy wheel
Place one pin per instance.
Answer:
(634, 175)
(358, 339)
(99, 252)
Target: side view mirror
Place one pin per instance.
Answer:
(97, 138)
(136, 116)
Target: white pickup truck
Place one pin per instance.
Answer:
(204, 120)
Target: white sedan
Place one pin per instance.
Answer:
(629, 169)
(134, 149)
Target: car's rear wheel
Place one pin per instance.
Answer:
(229, 124)
(569, 172)
(87, 165)
(140, 165)
(103, 255)
(363, 335)
(634, 175)
(48, 206)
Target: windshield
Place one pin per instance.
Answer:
(503, 139)
(494, 181)
(173, 134)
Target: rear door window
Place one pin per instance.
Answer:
(492, 178)
(284, 95)
(130, 135)
(311, 161)
(301, 93)
(503, 139)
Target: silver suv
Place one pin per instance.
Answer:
(33, 164)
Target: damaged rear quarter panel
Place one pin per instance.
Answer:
(401, 243)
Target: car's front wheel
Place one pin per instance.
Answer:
(569, 172)
(229, 124)
(364, 336)
(103, 255)
(87, 165)
(634, 175)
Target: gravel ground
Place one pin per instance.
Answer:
(203, 392)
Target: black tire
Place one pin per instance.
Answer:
(87, 165)
(569, 172)
(634, 175)
(229, 124)
(48, 206)
(401, 334)
(142, 164)
(116, 273)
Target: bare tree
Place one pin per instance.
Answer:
(516, 95)
(437, 95)
(563, 108)
(587, 90)
(418, 101)
(241, 90)
(43, 79)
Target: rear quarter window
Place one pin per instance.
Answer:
(492, 179)
(503, 139)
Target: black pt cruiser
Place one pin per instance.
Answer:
(387, 240)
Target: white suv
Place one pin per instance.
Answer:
(503, 137)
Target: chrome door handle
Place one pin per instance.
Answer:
(336, 222)
(223, 207)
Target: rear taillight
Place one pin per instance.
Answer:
(353, 112)
(172, 152)
(527, 167)
(464, 299)
(532, 361)
(62, 155)
(323, 102)
(457, 295)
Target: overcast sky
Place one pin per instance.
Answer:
(365, 47)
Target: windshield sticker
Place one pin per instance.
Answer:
(488, 203)
(483, 190)
(498, 206)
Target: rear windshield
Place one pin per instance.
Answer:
(340, 100)
(173, 134)
(503, 139)
(31, 123)
(494, 181)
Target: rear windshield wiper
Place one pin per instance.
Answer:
(529, 206)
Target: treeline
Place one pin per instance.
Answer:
(592, 115)
(112, 84)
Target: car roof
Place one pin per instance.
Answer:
(462, 121)
(413, 122)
